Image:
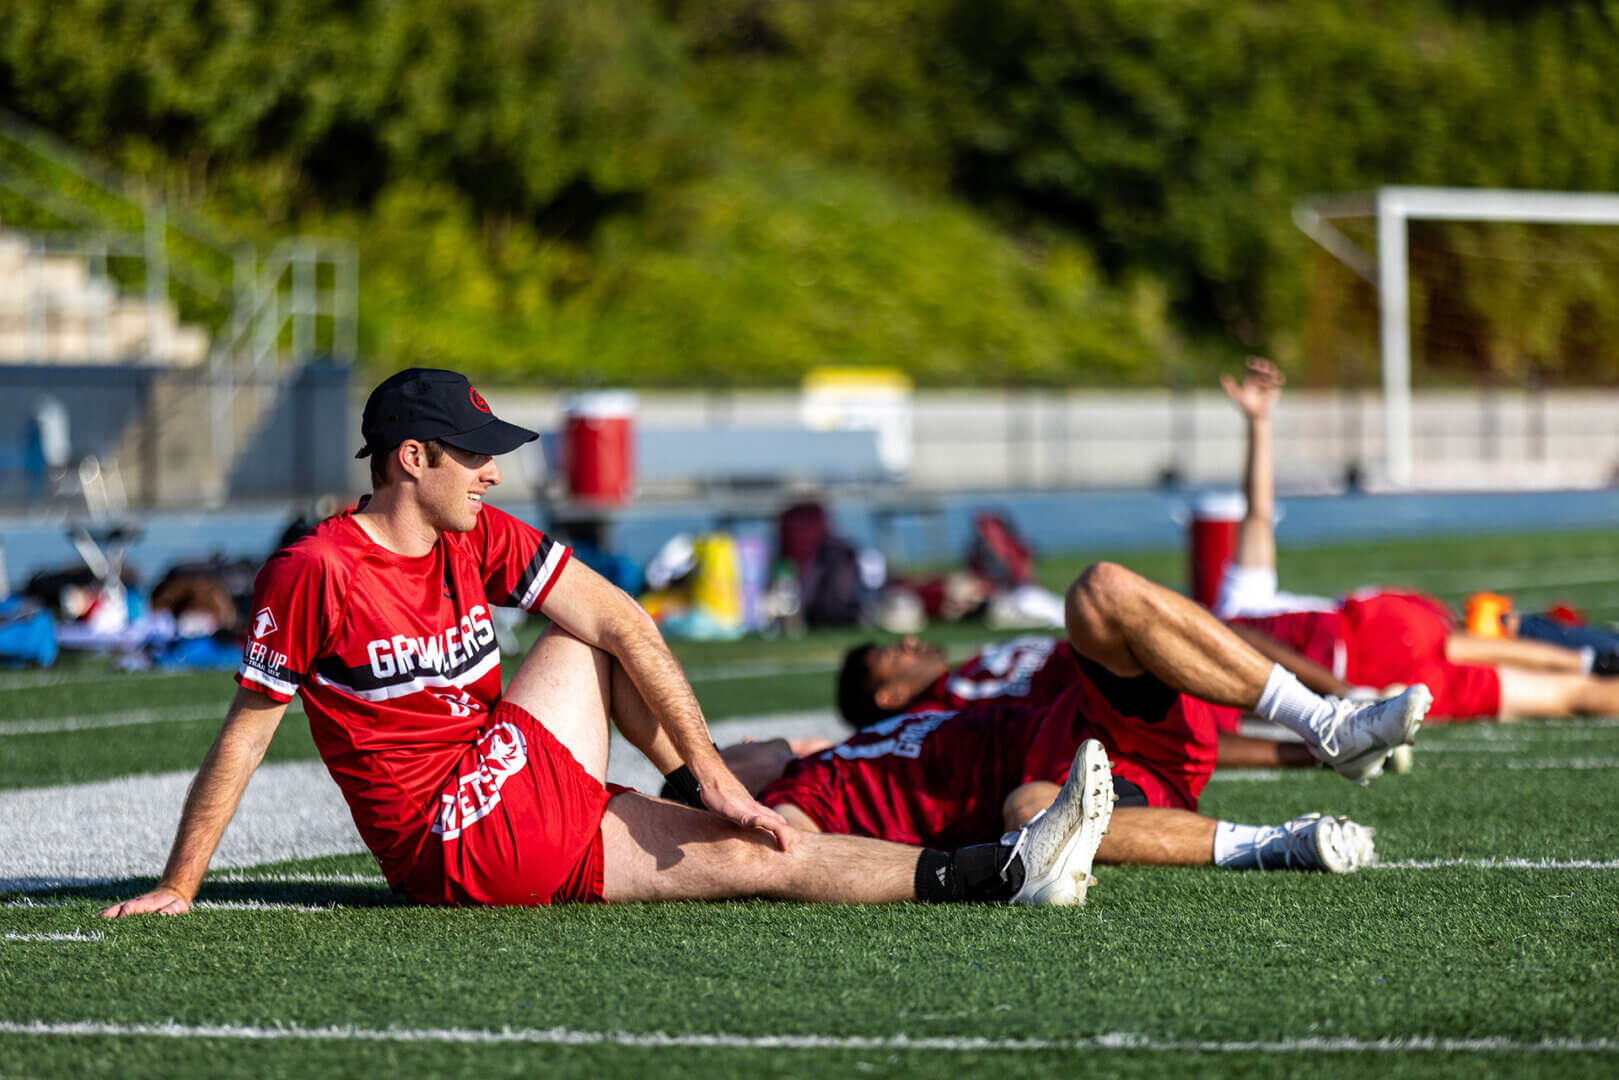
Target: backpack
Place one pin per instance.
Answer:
(801, 530)
(834, 594)
(999, 552)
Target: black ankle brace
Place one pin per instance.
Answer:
(980, 873)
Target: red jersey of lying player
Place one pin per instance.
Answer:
(1175, 737)
(940, 778)
(397, 663)
(1381, 638)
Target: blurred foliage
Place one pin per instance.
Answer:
(732, 191)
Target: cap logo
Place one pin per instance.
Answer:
(477, 399)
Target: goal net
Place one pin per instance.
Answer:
(1511, 296)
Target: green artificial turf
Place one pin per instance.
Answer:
(1446, 940)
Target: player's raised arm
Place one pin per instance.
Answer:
(210, 802)
(1256, 397)
(600, 614)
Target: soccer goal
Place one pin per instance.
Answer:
(1494, 281)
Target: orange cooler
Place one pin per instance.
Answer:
(598, 441)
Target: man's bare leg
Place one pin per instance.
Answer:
(1140, 835)
(1540, 693)
(567, 686)
(1130, 625)
(1244, 752)
(1164, 836)
(655, 850)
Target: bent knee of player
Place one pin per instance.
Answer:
(1025, 801)
(1095, 600)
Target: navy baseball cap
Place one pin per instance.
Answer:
(428, 403)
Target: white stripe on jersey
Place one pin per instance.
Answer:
(547, 568)
(280, 686)
(419, 683)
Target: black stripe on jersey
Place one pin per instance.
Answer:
(365, 679)
(530, 572)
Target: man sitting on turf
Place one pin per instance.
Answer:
(379, 619)
(1381, 637)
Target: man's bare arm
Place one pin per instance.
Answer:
(210, 802)
(600, 614)
(1256, 397)
(1310, 673)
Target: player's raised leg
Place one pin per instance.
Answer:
(1130, 625)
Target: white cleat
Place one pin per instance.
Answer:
(1058, 846)
(1401, 760)
(1355, 739)
(1335, 845)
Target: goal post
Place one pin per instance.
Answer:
(1388, 271)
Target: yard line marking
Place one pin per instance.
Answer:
(262, 905)
(560, 1036)
(1500, 864)
(240, 877)
(71, 935)
(196, 905)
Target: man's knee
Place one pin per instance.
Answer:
(1098, 597)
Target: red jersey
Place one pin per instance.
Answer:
(1030, 670)
(939, 779)
(1143, 718)
(933, 779)
(396, 660)
(1380, 638)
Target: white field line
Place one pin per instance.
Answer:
(199, 905)
(236, 877)
(71, 935)
(1499, 864)
(1120, 1041)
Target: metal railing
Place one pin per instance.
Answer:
(265, 314)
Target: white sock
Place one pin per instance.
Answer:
(1241, 847)
(1290, 703)
(1588, 657)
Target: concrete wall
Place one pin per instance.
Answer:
(1051, 439)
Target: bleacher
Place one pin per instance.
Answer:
(53, 309)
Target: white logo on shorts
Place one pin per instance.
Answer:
(502, 752)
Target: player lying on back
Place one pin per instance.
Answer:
(932, 777)
(879, 681)
(1378, 637)
(1151, 674)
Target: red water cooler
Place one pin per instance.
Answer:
(598, 445)
(1211, 541)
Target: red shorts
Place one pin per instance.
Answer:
(1163, 742)
(519, 823)
(1400, 638)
